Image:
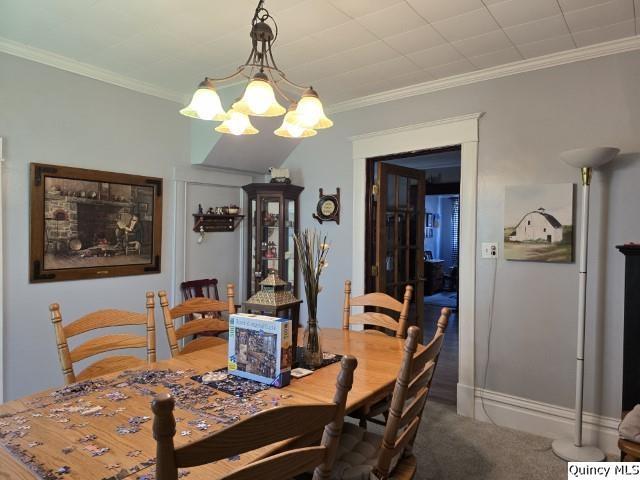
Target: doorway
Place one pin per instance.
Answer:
(460, 130)
(412, 232)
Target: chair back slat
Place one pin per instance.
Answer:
(107, 343)
(186, 310)
(429, 354)
(254, 432)
(414, 408)
(201, 343)
(405, 437)
(265, 428)
(112, 363)
(377, 299)
(380, 301)
(97, 320)
(284, 465)
(413, 380)
(201, 325)
(422, 380)
(207, 287)
(374, 319)
(198, 305)
(103, 319)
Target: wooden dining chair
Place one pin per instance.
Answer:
(265, 428)
(105, 343)
(377, 319)
(373, 411)
(203, 306)
(390, 455)
(206, 287)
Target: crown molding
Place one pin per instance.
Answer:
(552, 60)
(86, 70)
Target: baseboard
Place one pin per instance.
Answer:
(544, 419)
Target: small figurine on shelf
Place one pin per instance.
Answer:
(272, 251)
(219, 211)
(210, 211)
(200, 210)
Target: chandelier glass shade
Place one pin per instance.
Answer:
(237, 123)
(266, 85)
(205, 103)
(291, 126)
(310, 111)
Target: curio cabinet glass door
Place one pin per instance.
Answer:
(273, 220)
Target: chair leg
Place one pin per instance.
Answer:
(363, 422)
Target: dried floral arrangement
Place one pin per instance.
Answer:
(312, 248)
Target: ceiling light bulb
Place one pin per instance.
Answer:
(205, 103)
(238, 122)
(291, 127)
(259, 96)
(309, 109)
(294, 130)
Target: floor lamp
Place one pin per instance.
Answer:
(586, 159)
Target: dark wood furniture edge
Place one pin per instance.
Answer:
(633, 249)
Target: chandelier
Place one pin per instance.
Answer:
(266, 82)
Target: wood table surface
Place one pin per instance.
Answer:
(55, 424)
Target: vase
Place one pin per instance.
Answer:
(312, 344)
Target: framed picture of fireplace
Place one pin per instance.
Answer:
(93, 224)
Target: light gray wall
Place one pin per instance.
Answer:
(218, 255)
(51, 116)
(529, 119)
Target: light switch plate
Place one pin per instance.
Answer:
(489, 250)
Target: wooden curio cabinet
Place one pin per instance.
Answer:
(273, 217)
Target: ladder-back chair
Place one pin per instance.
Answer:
(265, 428)
(390, 455)
(371, 412)
(203, 306)
(207, 287)
(377, 319)
(106, 343)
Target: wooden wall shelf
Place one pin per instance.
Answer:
(216, 223)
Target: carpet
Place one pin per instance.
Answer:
(450, 447)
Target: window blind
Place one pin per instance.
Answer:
(455, 229)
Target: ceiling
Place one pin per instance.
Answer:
(346, 48)
(430, 161)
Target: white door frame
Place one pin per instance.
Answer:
(1, 279)
(463, 131)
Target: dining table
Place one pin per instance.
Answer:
(101, 428)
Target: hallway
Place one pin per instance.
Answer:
(444, 387)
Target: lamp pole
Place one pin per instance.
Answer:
(586, 159)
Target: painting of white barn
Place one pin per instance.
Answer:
(539, 223)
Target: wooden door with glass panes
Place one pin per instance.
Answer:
(273, 214)
(400, 233)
